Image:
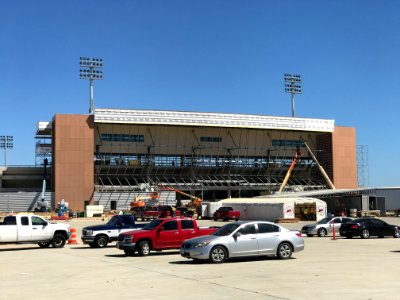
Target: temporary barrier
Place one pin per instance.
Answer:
(334, 230)
(274, 208)
(72, 238)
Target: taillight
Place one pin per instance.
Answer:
(355, 226)
(298, 234)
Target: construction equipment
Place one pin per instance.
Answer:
(321, 169)
(42, 205)
(295, 158)
(195, 202)
(140, 201)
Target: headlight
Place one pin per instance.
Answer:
(128, 239)
(202, 244)
(88, 232)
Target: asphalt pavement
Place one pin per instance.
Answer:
(326, 269)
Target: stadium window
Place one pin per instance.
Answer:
(138, 138)
(107, 137)
(287, 143)
(116, 137)
(209, 139)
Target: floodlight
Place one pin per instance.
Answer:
(292, 86)
(89, 71)
(6, 142)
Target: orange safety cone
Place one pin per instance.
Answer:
(72, 238)
(334, 231)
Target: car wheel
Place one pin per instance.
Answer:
(215, 219)
(284, 251)
(365, 234)
(144, 248)
(309, 235)
(396, 233)
(236, 219)
(129, 252)
(58, 241)
(44, 244)
(322, 232)
(92, 245)
(349, 236)
(101, 241)
(218, 255)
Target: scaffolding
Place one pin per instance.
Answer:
(362, 166)
(200, 165)
(43, 143)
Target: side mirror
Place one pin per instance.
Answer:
(237, 234)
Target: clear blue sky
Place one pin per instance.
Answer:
(209, 56)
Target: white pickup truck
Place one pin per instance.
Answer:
(33, 229)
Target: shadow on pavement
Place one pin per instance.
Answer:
(22, 249)
(143, 257)
(230, 260)
(90, 248)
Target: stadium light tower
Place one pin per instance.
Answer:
(292, 86)
(91, 69)
(6, 142)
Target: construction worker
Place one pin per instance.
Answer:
(305, 212)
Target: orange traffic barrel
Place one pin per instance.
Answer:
(72, 238)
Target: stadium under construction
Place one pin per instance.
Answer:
(114, 155)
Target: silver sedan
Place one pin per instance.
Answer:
(324, 226)
(240, 239)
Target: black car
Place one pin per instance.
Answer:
(183, 211)
(137, 211)
(366, 227)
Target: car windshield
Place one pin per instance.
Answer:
(114, 221)
(152, 225)
(226, 229)
(324, 221)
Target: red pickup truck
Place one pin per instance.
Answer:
(154, 212)
(161, 234)
(226, 213)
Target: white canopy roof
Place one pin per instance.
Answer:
(185, 118)
(297, 200)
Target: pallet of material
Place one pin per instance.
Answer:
(287, 220)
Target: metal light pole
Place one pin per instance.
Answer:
(292, 86)
(6, 142)
(89, 69)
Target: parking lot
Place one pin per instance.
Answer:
(326, 269)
